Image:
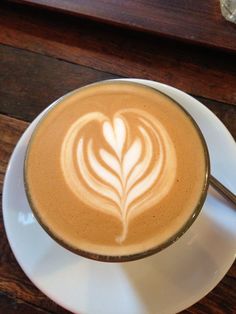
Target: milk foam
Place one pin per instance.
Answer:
(130, 170)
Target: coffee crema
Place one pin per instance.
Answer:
(116, 169)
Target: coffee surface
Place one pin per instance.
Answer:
(115, 169)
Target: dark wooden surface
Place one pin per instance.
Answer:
(196, 70)
(44, 55)
(198, 21)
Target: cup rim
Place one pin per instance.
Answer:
(142, 254)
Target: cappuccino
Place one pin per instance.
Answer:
(115, 170)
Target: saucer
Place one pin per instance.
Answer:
(167, 282)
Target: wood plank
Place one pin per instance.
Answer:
(10, 132)
(199, 22)
(198, 71)
(38, 80)
(9, 305)
(14, 283)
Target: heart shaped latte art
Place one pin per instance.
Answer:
(120, 165)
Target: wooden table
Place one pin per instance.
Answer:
(44, 54)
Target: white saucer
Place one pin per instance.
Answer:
(167, 282)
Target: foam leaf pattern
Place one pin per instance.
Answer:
(131, 168)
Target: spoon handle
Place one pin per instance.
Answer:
(219, 187)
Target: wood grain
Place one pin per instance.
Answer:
(199, 21)
(38, 80)
(10, 131)
(201, 72)
(13, 305)
(15, 284)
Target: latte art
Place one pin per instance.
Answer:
(116, 171)
(124, 167)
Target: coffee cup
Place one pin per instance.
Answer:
(116, 171)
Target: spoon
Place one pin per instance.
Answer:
(225, 192)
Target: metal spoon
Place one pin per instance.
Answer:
(225, 192)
